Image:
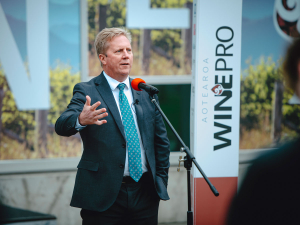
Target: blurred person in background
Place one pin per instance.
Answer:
(270, 193)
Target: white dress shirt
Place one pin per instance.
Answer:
(127, 91)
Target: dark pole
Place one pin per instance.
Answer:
(189, 159)
(186, 149)
(188, 165)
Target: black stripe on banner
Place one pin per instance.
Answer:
(222, 117)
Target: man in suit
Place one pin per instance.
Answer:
(269, 193)
(123, 171)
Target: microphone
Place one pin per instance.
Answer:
(138, 84)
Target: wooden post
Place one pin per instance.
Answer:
(188, 34)
(183, 51)
(36, 131)
(41, 130)
(277, 113)
(146, 51)
(141, 46)
(2, 93)
(102, 16)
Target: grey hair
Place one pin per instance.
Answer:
(106, 35)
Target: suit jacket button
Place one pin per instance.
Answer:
(123, 146)
(121, 165)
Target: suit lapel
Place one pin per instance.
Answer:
(138, 108)
(104, 90)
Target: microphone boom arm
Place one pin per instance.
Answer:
(186, 149)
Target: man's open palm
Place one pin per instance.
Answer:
(90, 115)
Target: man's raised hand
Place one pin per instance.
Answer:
(90, 115)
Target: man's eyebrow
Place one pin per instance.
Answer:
(117, 49)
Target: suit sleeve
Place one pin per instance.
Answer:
(65, 124)
(162, 147)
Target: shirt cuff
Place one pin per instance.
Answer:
(78, 127)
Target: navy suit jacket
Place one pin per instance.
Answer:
(101, 168)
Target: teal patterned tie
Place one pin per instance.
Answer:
(133, 144)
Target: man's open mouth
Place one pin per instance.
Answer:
(125, 64)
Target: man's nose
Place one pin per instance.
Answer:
(125, 54)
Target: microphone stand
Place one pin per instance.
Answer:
(188, 160)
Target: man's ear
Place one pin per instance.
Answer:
(102, 58)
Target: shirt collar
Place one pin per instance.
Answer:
(114, 83)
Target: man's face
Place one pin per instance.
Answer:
(118, 59)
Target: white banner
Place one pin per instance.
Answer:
(141, 15)
(216, 86)
(215, 105)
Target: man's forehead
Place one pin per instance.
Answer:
(119, 41)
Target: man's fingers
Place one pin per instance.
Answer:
(100, 122)
(99, 111)
(93, 107)
(101, 116)
(88, 100)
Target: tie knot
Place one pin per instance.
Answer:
(121, 86)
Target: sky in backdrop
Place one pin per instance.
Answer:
(259, 36)
(64, 29)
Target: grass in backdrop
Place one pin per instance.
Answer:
(257, 104)
(57, 147)
(19, 135)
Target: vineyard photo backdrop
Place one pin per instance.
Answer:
(30, 134)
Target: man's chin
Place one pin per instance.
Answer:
(125, 72)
